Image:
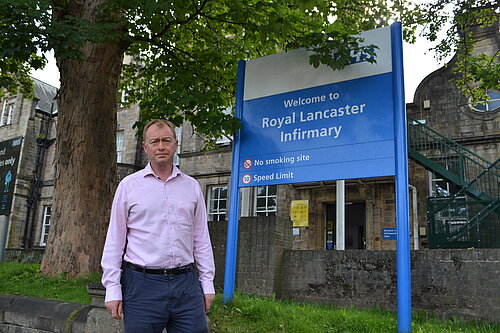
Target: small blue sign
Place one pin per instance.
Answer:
(389, 233)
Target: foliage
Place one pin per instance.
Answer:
(26, 280)
(476, 72)
(183, 54)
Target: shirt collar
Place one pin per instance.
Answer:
(148, 171)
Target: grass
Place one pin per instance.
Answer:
(246, 313)
(255, 314)
(25, 280)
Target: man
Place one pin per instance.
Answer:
(158, 229)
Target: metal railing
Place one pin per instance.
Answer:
(455, 162)
(463, 224)
(469, 217)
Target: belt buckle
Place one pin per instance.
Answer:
(165, 272)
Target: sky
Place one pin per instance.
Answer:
(418, 62)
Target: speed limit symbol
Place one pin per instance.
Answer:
(247, 164)
(246, 179)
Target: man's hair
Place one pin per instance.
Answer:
(159, 123)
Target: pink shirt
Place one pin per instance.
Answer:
(163, 224)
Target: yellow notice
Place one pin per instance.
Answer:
(299, 213)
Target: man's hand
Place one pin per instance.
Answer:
(116, 308)
(209, 298)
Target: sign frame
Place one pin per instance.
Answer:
(401, 175)
(10, 151)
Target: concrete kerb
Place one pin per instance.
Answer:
(42, 315)
(36, 315)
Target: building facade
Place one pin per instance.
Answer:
(34, 122)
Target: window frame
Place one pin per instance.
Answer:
(215, 212)
(3, 118)
(266, 211)
(46, 219)
(178, 134)
(10, 112)
(487, 106)
(120, 148)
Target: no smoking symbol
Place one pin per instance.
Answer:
(246, 179)
(247, 164)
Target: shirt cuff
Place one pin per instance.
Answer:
(113, 293)
(208, 287)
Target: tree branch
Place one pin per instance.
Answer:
(198, 11)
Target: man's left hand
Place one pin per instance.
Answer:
(209, 298)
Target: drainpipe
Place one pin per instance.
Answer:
(34, 196)
(416, 240)
(340, 241)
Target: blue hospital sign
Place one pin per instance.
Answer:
(306, 124)
(303, 124)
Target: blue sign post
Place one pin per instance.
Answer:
(234, 201)
(304, 124)
(402, 210)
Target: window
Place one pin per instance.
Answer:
(453, 215)
(491, 105)
(10, 112)
(124, 95)
(7, 112)
(178, 134)
(265, 200)
(119, 146)
(217, 203)
(45, 225)
(224, 140)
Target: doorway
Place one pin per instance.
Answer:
(355, 226)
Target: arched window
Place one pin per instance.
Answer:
(491, 105)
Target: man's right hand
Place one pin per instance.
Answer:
(115, 308)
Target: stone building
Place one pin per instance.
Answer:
(33, 121)
(451, 143)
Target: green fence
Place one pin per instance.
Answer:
(470, 216)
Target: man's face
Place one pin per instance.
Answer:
(160, 145)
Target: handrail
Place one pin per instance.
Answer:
(465, 166)
(476, 177)
(448, 140)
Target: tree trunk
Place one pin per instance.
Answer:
(85, 158)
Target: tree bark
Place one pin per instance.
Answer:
(85, 158)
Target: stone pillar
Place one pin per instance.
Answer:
(98, 318)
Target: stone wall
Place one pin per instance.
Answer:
(25, 256)
(461, 283)
(261, 243)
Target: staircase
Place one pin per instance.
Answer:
(470, 216)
